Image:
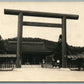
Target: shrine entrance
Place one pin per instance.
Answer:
(22, 23)
(31, 59)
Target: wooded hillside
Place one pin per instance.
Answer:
(53, 46)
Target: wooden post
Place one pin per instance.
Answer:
(64, 60)
(19, 40)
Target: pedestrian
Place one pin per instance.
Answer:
(43, 62)
(58, 63)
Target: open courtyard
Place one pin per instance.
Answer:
(38, 74)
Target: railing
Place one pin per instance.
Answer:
(7, 62)
(7, 67)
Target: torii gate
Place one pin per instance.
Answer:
(21, 13)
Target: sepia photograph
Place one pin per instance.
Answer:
(41, 41)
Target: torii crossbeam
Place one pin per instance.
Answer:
(21, 13)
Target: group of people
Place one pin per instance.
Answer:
(54, 63)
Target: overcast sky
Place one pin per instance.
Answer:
(75, 28)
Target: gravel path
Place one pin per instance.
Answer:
(41, 75)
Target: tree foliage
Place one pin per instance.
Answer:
(53, 46)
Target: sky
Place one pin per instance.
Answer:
(75, 28)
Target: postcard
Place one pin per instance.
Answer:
(41, 41)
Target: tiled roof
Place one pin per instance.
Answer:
(28, 47)
(76, 56)
(7, 55)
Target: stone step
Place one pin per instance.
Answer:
(64, 69)
(31, 66)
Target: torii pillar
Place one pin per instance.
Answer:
(64, 57)
(19, 40)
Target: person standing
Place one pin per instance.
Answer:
(58, 63)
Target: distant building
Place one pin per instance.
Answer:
(32, 52)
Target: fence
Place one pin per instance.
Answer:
(7, 62)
